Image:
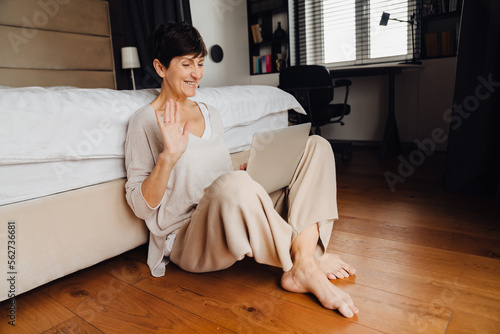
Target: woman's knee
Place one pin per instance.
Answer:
(319, 142)
(319, 147)
(232, 186)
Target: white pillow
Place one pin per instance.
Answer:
(241, 105)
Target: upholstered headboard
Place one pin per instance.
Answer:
(56, 43)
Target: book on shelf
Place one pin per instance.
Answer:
(428, 8)
(439, 44)
(442, 6)
(446, 43)
(453, 5)
(256, 65)
(268, 64)
(261, 64)
(436, 7)
(256, 33)
(431, 44)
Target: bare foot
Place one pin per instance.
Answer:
(307, 276)
(334, 267)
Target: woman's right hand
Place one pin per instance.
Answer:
(175, 139)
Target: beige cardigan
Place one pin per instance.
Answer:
(203, 161)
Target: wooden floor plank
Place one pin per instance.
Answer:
(34, 313)
(457, 293)
(242, 309)
(421, 257)
(393, 313)
(379, 309)
(415, 215)
(73, 325)
(465, 323)
(411, 233)
(131, 267)
(114, 306)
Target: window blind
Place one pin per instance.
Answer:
(348, 32)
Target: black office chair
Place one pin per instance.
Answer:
(312, 86)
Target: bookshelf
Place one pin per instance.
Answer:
(440, 25)
(268, 36)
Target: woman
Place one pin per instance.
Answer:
(204, 216)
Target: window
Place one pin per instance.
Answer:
(348, 32)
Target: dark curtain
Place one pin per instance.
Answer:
(140, 18)
(473, 155)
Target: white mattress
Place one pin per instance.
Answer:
(27, 181)
(21, 182)
(61, 138)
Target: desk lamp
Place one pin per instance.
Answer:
(383, 22)
(130, 59)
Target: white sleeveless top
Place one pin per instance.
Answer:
(208, 128)
(204, 160)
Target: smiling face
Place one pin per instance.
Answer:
(178, 53)
(183, 76)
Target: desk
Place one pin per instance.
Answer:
(390, 143)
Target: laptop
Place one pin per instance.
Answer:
(275, 154)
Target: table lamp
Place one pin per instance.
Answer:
(386, 17)
(130, 59)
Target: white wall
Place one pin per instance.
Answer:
(223, 22)
(422, 96)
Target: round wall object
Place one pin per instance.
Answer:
(216, 53)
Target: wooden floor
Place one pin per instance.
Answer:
(427, 261)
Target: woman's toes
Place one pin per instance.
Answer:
(351, 270)
(331, 276)
(341, 274)
(346, 311)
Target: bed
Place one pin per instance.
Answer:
(62, 129)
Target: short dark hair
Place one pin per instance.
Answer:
(171, 40)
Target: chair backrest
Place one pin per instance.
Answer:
(306, 76)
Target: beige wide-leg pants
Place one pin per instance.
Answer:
(236, 217)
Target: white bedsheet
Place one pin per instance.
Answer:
(62, 138)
